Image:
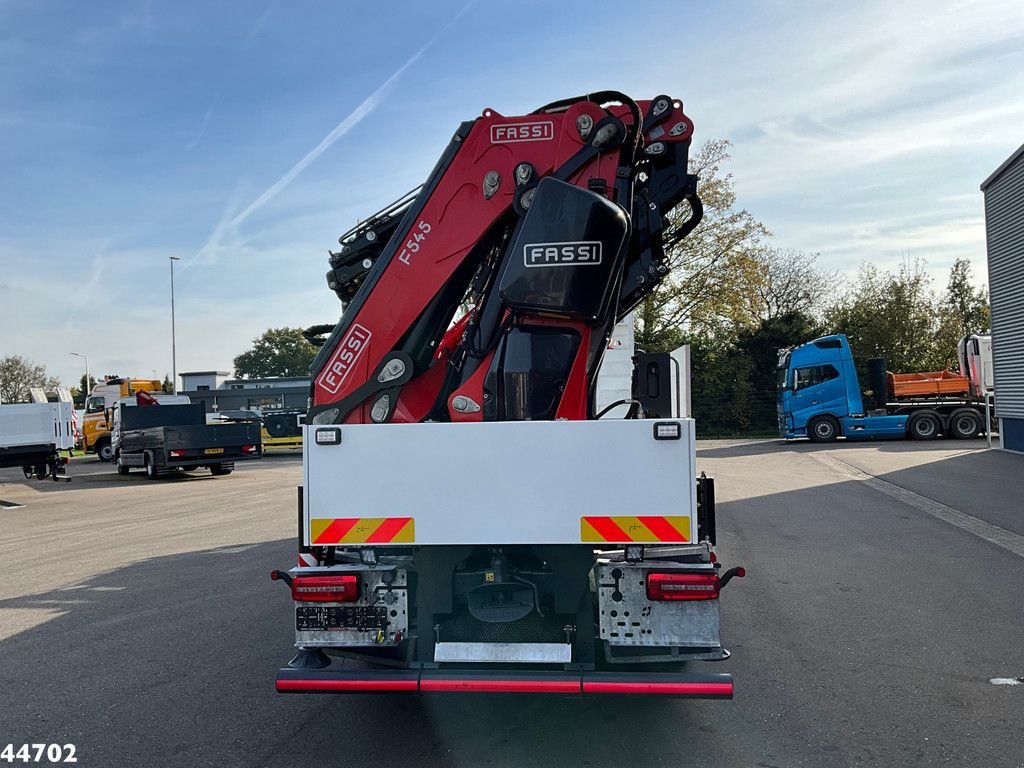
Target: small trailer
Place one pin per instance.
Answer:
(32, 436)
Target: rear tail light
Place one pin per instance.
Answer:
(177, 454)
(248, 449)
(682, 586)
(325, 589)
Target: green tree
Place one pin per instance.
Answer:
(278, 352)
(734, 384)
(788, 284)
(762, 344)
(721, 387)
(963, 310)
(960, 311)
(168, 386)
(968, 305)
(712, 270)
(79, 393)
(891, 315)
(18, 375)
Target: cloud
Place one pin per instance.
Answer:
(227, 228)
(870, 136)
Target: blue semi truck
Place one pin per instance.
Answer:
(820, 395)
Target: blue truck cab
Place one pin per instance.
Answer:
(819, 395)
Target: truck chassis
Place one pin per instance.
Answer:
(594, 603)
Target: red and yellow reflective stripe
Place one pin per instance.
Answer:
(642, 529)
(362, 530)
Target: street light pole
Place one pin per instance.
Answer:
(85, 392)
(174, 350)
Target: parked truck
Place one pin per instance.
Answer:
(163, 434)
(468, 521)
(282, 428)
(820, 394)
(33, 435)
(279, 428)
(99, 406)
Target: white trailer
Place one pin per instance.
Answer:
(32, 436)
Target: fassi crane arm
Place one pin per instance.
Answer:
(545, 229)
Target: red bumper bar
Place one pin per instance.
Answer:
(712, 686)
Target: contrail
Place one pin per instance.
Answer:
(356, 116)
(202, 128)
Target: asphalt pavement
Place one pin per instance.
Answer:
(138, 622)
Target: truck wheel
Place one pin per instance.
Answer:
(103, 450)
(924, 426)
(151, 471)
(220, 469)
(965, 424)
(121, 468)
(823, 429)
(277, 425)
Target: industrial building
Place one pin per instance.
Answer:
(221, 393)
(1004, 227)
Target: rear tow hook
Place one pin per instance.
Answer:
(276, 575)
(724, 579)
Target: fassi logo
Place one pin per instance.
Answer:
(344, 358)
(562, 254)
(509, 133)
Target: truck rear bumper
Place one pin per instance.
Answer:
(27, 455)
(205, 461)
(371, 680)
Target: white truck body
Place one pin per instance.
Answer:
(615, 379)
(520, 482)
(27, 424)
(975, 357)
(32, 436)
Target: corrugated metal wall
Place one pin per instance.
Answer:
(1004, 224)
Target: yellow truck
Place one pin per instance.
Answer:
(104, 396)
(282, 429)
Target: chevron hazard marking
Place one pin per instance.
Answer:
(642, 529)
(362, 530)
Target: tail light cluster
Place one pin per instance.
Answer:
(326, 589)
(177, 453)
(683, 586)
(248, 449)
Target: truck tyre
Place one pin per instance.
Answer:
(151, 471)
(924, 426)
(823, 429)
(965, 424)
(220, 469)
(103, 450)
(276, 425)
(122, 469)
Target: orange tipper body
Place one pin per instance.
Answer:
(931, 384)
